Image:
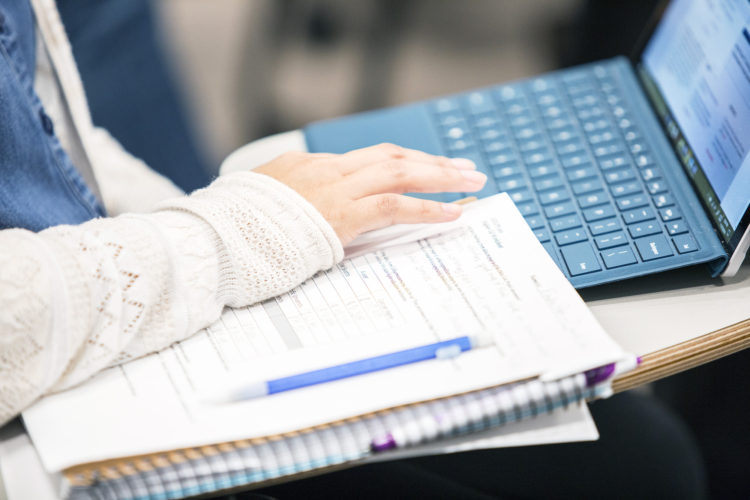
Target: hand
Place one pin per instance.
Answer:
(362, 190)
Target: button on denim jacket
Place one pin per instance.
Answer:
(39, 186)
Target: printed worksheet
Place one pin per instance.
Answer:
(483, 276)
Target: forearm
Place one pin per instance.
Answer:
(79, 298)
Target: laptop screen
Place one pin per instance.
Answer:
(696, 68)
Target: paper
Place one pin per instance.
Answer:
(486, 275)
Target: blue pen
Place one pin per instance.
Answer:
(440, 350)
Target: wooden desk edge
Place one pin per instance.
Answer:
(686, 355)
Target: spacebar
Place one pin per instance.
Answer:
(580, 258)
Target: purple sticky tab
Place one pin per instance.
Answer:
(600, 374)
(383, 443)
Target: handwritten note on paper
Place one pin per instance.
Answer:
(485, 274)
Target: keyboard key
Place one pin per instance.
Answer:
(663, 200)
(584, 187)
(619, 257)
(656, 187)
(528, 208)
(613, 162)
(536, 158)
(503, 173)
(605, 226)
(446, 104)
(581, 173)
(555, 196)
(685, 243)
(615, 176)
(601, 138)
(542, 170)
(504, 159)
(535, 222)
(558, 123)
(575, 160)
(564, 135)
(570, 148)
(610, 240)
(607, 150)
(590, 113)
(590, 200)
(563, 223)
(638, 147)
(650, 174)
(625, 189)
(509, 93)
(598, 213)
(542, 235)
(670, 213)
(595, 126)
(528, 133)
(638, 215)
(625, 123)
(521, 121)
(479, 102)
(517, 108)
(527, 146)
(653, 247)
(551, 111)
(634, 201)
(644, 160)
(548, 183)
(676, 227)
(491, 134)
(456, 132)
(644, 229)
(521, 196)
(510, 184)
(559, 210)
(496, 147)
(547, 99)
(632, 135)
(458, 146)
(580, 258)
(571, 236)
(486, 121)
(451, 121)
(585, 101)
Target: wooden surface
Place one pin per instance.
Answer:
(686, 355)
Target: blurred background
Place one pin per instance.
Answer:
(253, 68)
(245, 69)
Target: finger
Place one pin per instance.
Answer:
(382, 210)
(385, 152)
(403, 176)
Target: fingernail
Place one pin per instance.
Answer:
(451, 209)
(463, 163)
(474, 177)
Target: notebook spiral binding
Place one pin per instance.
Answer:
(193, 471)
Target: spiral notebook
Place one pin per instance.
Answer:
(145, 429)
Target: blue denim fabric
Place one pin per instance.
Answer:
(130, 86)
(39, 186)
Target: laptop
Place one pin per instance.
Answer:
(622, 167)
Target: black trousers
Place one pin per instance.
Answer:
(645, 451)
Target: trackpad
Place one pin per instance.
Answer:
(407, 126)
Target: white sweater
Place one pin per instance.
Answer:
(77, 299)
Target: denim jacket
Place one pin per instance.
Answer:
(39, 186)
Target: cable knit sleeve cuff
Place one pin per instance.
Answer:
(269, 238)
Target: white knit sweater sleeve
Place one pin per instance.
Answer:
(76, 299)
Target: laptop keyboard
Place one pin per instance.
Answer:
(566, 149)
